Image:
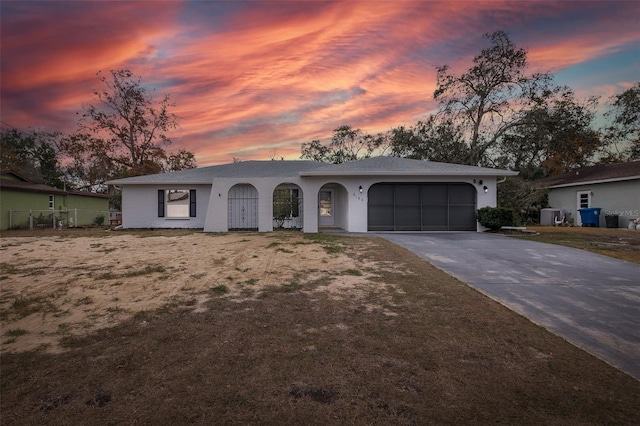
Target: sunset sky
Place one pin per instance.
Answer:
(255, 79)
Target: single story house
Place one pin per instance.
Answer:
(615, 188)
(373, 194)
(25, 204)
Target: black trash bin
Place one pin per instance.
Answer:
(611, 220)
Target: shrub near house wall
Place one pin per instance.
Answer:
(495, 218)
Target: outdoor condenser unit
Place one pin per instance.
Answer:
(547, 216)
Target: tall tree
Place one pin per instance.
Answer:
(125, 131)
(347, 144)
(433, 139)
(553, 137)
(493, 96)
(34, 154)
(623, 133)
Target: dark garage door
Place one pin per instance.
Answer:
(422, 207)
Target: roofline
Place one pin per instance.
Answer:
(593, 182)
(116, 183)
(316, 173)
(409, 173)
(53, 190)
(17, 174)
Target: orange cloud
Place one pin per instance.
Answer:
(250, 79)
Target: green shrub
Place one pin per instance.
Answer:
(99, 220)
(495, 217)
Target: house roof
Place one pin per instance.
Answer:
(382, 166)
(242, 169)
(25, 185)
(379, 166)
(600, 173)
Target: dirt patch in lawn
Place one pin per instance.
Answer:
(619, 243)
(340, 331)
(59, 286)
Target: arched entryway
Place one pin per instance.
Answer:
(287, 206)
(243, 208)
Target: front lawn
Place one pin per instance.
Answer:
(278, 328)
(620, 243)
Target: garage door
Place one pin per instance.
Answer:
(422, 207)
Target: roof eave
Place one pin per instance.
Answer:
(594, 182)
(410, 173)
(192, 182)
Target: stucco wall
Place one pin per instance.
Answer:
(613, 197)
(140, 201)
(140, 207)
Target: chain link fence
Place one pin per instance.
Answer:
(48, 219)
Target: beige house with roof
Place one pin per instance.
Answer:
(368, 195)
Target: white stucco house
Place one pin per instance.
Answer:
(614, 188)
(374, 194)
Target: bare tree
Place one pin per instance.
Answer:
(492, 96)
(347, 144)
(132, 127)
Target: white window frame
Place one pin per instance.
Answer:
(180, 210)
(580, 206)
(579, 195)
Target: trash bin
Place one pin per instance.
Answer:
(611, 220)
(590, 216)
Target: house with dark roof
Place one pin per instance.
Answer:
(25, 204)
(615, 188)
(373, 194)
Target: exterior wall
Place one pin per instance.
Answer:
(140, 201)
(613, 197)
(357, 213)
(140, 207)
(23, 201)
(217, 215)
(75, 201)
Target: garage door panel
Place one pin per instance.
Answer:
(462, 194)
(407, 195)
(422, 206)
(408, 218)
(381, 194)
(435, 194)
(380, 218)
(435, 218)
(462, 218)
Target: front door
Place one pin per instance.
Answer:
(326, 207)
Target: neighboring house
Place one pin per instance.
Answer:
(374, 194)
(23, 202)
(615, 188)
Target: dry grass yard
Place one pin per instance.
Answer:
(620, 243)
(179, 327)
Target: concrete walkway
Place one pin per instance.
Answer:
(590, 300)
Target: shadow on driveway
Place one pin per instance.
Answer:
(592, 301)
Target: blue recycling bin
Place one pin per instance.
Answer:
(590, 216)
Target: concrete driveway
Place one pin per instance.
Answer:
(592, 301)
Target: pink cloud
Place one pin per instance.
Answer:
(253, 78)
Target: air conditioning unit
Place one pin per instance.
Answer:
(548, 216)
